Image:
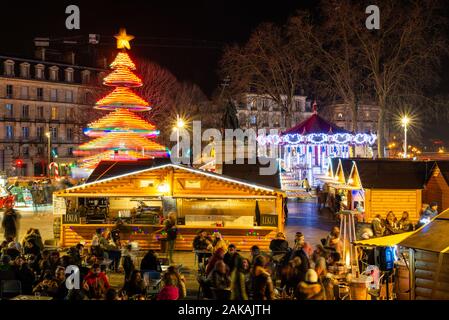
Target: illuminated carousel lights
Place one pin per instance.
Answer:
(319, 138)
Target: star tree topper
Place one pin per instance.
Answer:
(123, 39)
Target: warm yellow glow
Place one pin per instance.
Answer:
(123, 39)
(405, 120)
(180, 123)
(47, 134)
(350, 181)
(348, 259)
(163, 187)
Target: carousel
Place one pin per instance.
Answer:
(306, 148)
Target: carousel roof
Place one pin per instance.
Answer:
(315, 124)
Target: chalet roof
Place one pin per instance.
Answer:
(109, 169)
(393, 174)
(315, 124)
(251, 173)
(102, 183)
(443, 165)
(334, 165)
(347, 165)
(432, 237)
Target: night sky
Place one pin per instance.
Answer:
(186, 37)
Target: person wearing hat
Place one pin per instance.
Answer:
(310, 288)
(279, 246)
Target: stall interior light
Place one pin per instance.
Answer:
(163, 187)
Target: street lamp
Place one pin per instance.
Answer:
(179, 125)
(48, 135)
(405, 121)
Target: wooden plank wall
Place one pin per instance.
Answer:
(74, 234)
(426, 264)
(383, 200)
(437, 190)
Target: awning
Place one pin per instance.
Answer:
(387, 241)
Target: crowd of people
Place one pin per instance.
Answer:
(43, 272)
(297, 272)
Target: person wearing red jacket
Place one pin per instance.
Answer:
(96, 282)
(170, 291)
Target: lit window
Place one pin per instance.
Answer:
(340, 115)
(9, 132)
(25, 132)
(9, 110)
(54, 113)
(252, 119)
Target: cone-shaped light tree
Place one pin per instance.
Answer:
(121, 134)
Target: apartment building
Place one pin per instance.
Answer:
(44, 107)
(261, 112)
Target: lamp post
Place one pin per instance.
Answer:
(48, 135)
(179, 125)
(405, 121)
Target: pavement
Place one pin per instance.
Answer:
(303, 216)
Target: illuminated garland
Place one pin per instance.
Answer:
(122, 141)
(123, 59)
(121, 135)
(122, 76)
(121, 120)
(319, 139)
(122, 97)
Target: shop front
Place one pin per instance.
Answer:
(244, 213)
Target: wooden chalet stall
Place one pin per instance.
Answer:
(378, 186)
(429, 260)
(437, 186)
(245, 213)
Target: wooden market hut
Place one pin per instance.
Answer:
(202, 200)
(437, 185)
(429, 260)
(385, 185)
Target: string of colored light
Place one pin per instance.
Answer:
(122, 141)
(121, 120)
(123, 59)
(122, 76)
(122, 97)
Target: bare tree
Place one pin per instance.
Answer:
(333, 55)
(402, 58)
(170, 98)
(265, 65)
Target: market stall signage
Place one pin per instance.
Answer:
(268, 220)
(71, 218)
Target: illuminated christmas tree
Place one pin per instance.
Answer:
(121, 134)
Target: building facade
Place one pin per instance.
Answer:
(261, 112)
(43, 109)
(367, 117)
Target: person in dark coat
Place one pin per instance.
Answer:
(231, 257)
(150, 262)
(202, 243)
(10, 222)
